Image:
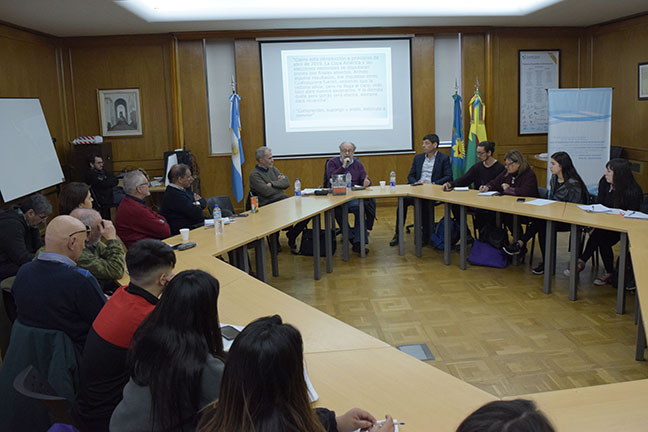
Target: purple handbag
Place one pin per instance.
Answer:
(483, 254)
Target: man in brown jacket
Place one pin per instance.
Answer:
(269, 185)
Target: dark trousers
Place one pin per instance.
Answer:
(354, 231)
(603, 240)
(539, 226)
(425, 216)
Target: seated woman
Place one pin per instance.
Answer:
(517, 179)
(74, 195)
(264, 389)
(176, 359)
(617, 189)
(519, 415)
(565, 185)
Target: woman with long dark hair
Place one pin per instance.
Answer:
(617, 189)
(176, 359)
(74, 195)
(264, 389)
(565, 185)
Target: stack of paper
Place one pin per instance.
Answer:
(599, 208)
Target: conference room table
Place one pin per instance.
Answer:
(350, 368)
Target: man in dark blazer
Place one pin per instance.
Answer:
(181, 207)
(430, 166)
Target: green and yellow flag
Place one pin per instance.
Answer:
(477, 128)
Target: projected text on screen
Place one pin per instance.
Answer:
(337, 89)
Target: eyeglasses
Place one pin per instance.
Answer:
(86, 230)
(144, 184)
(480, 153)
(508, 164)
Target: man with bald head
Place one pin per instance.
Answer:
(104, 259)
(181, 207)
(51, 292)
(134, 220)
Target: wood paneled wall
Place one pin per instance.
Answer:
(502, 112)
(32, 68)
(125, 62)
(615, 51)
(66, 73)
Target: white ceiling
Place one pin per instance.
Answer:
(106, 17)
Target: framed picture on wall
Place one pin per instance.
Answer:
(643, 81)
(120, 112)
(538, 70)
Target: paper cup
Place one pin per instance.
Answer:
(382, 183)
(184, 233)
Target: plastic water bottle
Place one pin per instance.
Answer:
(348, 182)
(392, 180)
(297, 188)
(218, 220)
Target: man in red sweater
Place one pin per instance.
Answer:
(103, 369)
(134, 220)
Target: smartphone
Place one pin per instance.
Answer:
(520, 200)
(241, 215)
(416, 184)
(229, 332)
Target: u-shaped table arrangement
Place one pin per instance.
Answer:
(350, 368)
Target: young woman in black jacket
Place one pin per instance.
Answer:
(617, 189)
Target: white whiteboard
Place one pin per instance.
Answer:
(29, 162)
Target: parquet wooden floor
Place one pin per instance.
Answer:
(493, 328)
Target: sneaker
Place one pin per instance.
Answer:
(603, 280)
(579, 267)
(539, 269)
(513, 249)
(394, 240)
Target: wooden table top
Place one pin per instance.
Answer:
(247, 298)
(611, 407)
(387, 381)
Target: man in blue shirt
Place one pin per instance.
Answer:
(431, 166)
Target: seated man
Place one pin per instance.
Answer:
(103, 371)
(346, 163)
(134, 220)
(51, 292)
(269, 184)
(19, 233)
(482, 172)
(101, 183)
(104, 260)
(181, 207)
(431, 166)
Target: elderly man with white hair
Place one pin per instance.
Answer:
(104, 259)
(52, 292)
(134, 220)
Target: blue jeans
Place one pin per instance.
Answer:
(354, 232)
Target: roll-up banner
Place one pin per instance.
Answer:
(580, 122)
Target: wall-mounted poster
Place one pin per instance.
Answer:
(119, 111)
(538, 71)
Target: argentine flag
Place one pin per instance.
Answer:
(237, 147)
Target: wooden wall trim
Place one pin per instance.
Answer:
(176, 95)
